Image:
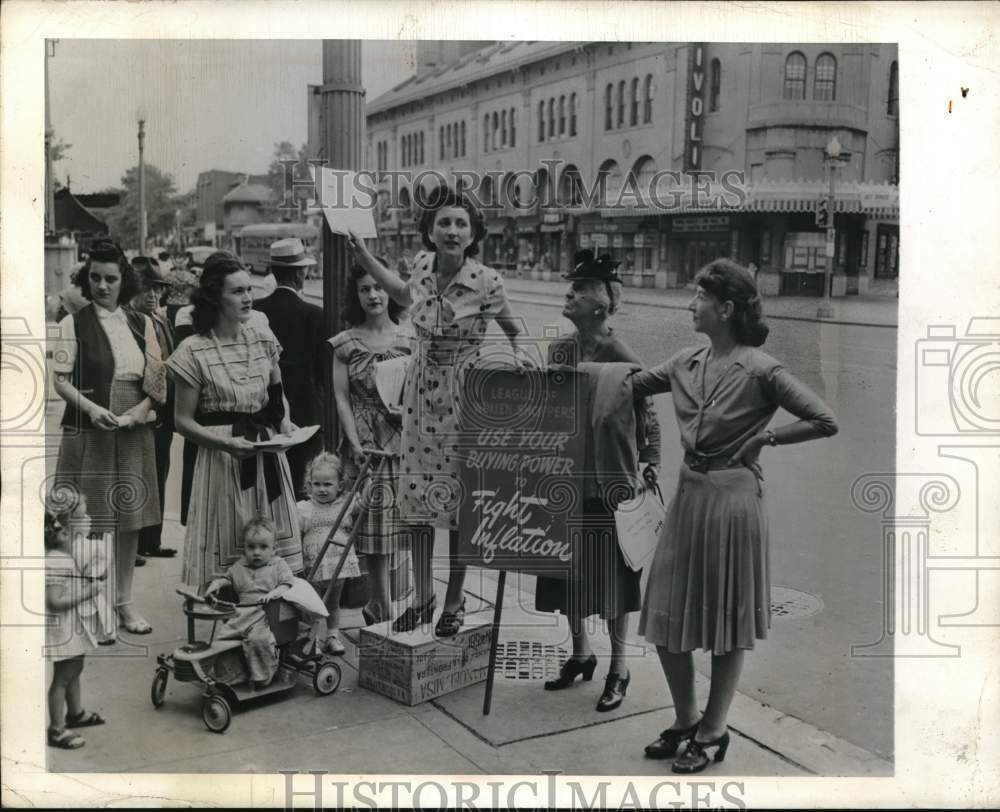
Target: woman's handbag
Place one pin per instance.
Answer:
(154, 379)
(639, 522)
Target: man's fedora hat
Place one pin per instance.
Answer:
(290, 253)
(587, 266)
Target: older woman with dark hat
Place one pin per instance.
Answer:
(452, 299)
(109, 372)
(601, 582)
(709, 581)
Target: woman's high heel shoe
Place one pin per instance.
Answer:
(572, 668)
(449, 623)
(615, 687)
(414, 617)
(670, 742)
(370, 617)
(694, 759)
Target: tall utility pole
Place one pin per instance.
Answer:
(342, 132)
(50, 193)
(141, 117)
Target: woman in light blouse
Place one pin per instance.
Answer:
(107, 452)
(709, 583)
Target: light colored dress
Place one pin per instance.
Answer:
(232, 377)
(94, 556)
(260, 651)
(379, 530)
(66, 635)
(449, 327)
(316, 520)
(709, 582)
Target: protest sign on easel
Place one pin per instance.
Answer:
(521, 459)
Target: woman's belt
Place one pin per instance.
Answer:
(251, 426)
(702, 463)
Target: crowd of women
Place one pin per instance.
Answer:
(708, 583)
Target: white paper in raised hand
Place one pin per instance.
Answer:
(346, 205)
(389, 377)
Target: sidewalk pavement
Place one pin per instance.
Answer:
(865, 311)
(356, 731)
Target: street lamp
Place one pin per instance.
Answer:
(832, 154)
(140, 117)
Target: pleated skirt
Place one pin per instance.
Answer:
(709, 581)
(114, 470)
(220, 508)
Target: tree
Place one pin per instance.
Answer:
(161, 204)
(285, 151)
(57, 151)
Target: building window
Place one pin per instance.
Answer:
(633, 116)
(825, 78)
(607, 108)
(572, 114)
(503, 129)
(892, 108)
(714, 85)
(562, 116)
(513, 126)
(552, 118)
(441, 143)
(486, 133)
(462, 128)
(448, 151)
(621, 103)
(647, 112)
(421, 146)
(795, 76)
(402, 149)
(887, 253)
(496, 132)
(541, 121)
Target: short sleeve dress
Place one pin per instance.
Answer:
(232, 377)
(66, 635)
(449, 330)
(378, 533)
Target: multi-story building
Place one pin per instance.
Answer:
(212, 186)
(598, 144)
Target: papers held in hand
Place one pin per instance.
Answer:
(280, 442)
(346, 204)
(389, 377)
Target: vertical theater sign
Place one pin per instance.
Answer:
(695, 107)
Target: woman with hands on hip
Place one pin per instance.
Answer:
(227, 396)
(452, 299)
(709, 582)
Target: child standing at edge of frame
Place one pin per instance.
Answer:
(67, 639)
(317, 515)
(262, 576)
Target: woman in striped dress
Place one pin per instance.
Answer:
(228, 394)
(107, 359)
(374, 336)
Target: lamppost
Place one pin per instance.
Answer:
(140, 116)
(832, 154)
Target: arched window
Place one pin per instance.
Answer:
(486, 133)
(570, 187)
(714, 85)
(503, 129)
(892, 108)
(572, 114)
(513, 126)
(450, 143)
(462, 130)
(610, 178)
(421, 146)
(406, 147)
(543, 193)
(647, 113)
(621, 103)
(496, 131)
(441, 143)
(633, 113)
(552, 118)
(562, 116)
(795, 76)
(644, 173)
(608, 109)
(825, 78)
(541, 121)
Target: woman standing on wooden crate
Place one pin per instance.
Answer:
(709, 583)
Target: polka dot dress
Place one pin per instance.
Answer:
(449, 326)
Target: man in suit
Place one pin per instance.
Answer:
(153, 285)
(298, 326)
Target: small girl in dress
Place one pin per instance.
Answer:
(93, 560)
(67, 638)
(317, 515)
(261, 575)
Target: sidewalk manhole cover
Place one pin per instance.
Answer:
(791, 604)
(528, 659)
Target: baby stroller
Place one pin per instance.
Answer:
(217, 665)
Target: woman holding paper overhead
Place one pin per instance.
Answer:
(373, 337)
(709, 583)
(601, 582)
(452, 299)
(228, 395)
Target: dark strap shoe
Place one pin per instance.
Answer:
(570, 670)
(414, 617)
(615, 687)
(670, 742)
(449, 623)
(694, 759)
